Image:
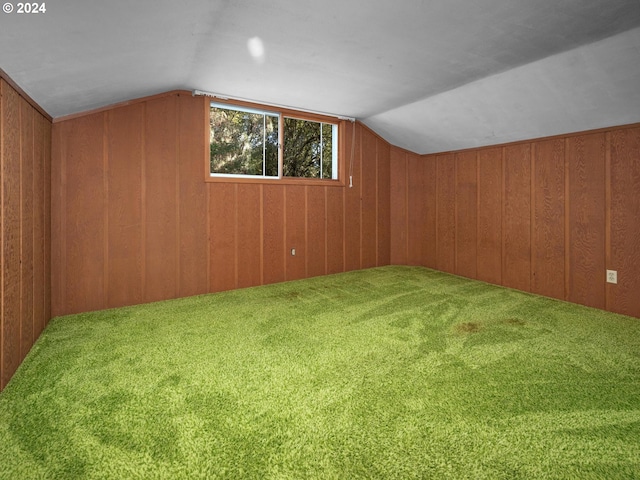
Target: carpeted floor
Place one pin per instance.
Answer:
(392, 372)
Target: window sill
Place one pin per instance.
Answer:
(276, 181)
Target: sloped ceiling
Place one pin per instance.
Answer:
(429, 76)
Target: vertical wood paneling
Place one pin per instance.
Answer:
(384, 203)
(85, 217)
(3, 88)
(624, 297)
(248, 235)
(402, 208)
(59, 149)
(48, 241)
(39, 245)
(124, 174)
(466, 214)
(295, 231)
(316, 231)
(516, 268)
(548, 221)
(489, 261)
(398, 207)
(223, 210)
(273, 240)
(26, 226)
(586, 170)
(335, 229)
(368, 201)
(417, 210)
(352, 214)
(192, 203)
(446, 223)
(10, 233)
(430, 253)
(24, 173)
(242, 232)
(160, 144)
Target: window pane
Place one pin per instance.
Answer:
(308, 149)
(243, 142)
(327, 150)
(301, 148)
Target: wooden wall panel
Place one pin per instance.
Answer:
(249, 237)
(160, 206)
(369, 202)
(295, 222)
(223, 208)
(335, 229)
(48, 216)
(11, 304)
(84, 228)
(3, 93)
(274, 233)
(26, 227)
(548, 219)
(195, 235)
(352, 202)
(586, 219)
(24, 215)
(516, 221)
(316, 231)
(193, 204)
(3, 87)
(39, 220)
(489, 261)
(124, 228)
(431, 245)
(59, 142)
(624, 256)
(418, 209)
(466, 213)
(398, 206)
(446, 223)
(384, 203)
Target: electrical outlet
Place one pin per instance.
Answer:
(612, 276)
(293, 252)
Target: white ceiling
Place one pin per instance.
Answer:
(427, 75)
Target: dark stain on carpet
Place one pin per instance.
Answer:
(468, 327)
(518, 322)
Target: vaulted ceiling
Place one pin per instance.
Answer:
(427, 75)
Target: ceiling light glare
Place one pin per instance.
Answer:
(256, 49)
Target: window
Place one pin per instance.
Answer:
(243, 141)
(254, 143)
(310, 150)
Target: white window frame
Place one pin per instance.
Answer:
(281, 115)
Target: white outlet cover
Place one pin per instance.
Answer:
(612, 276)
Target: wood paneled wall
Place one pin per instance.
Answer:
(134, 220)
(129, 205)
(548, 216)
(25, 150)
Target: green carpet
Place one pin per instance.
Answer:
(393, 372)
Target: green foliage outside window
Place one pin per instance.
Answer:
(307, 149)
(245, 142)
